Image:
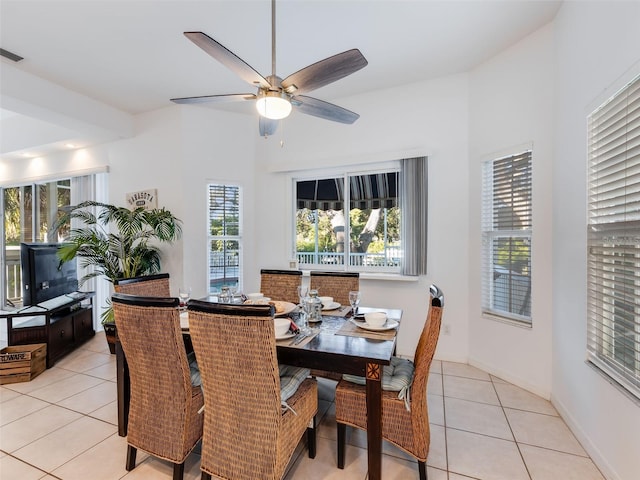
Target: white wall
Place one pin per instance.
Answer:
(218, 147)
(511, 105)
(178, 151)
(428, 118)
(151, 159)
(597, 47)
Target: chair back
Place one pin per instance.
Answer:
(151, 338)
(335, 284)
(146, 285)
(281, 284)
(236, 352)
(422, 361)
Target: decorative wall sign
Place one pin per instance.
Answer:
(145, 198)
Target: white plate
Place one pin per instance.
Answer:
(331, 306)
(285, 336)
(389, 324)
(288, 308)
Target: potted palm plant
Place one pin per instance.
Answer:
(117, 242)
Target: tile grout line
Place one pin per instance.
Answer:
(444, 421)
(27, 463)
(510, 428)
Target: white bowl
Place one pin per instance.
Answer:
(255, 296)
(326, 301)
(375, 319)
(281, 326)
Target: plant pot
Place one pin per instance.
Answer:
(111, 332)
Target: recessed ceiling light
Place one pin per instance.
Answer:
(70, 145)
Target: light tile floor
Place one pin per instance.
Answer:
(63, 425)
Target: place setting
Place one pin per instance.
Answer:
(281, 308)
(288, 333)
(333, 308)
(374, 325)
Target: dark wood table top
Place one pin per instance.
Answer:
(337, 353)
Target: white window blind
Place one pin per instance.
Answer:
(614, 238)
(225, 237)
(506, 242)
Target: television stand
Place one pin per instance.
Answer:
(63, 323)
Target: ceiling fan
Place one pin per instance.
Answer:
(276, 97)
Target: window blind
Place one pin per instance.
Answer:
(506, 242)
(613, 238)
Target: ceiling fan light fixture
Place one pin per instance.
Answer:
(273, 105)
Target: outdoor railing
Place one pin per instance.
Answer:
(390, 258)
(223, 269)
(12, 275)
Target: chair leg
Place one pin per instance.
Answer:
(342, 436)
(131, 458)
(311, 438)
(205, 476)
(178, 471)
(422, 468)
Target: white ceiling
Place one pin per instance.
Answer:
(130, 57)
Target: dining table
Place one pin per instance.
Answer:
(335, 344)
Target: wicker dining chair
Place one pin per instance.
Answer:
(248, 434)
(281, 284)
(335, 284)
(163, 411)
(156, 285)
(146, 285)
(405, 421)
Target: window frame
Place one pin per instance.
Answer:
(211, 289)
(490, 232)
(344, 174)
(613, 238)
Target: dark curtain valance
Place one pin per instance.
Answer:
(365, 191)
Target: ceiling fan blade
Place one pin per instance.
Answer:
(267, 126)
(322, 109)
(228, 59)
(324, 72)
(233, 97)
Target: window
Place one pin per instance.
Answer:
(613, 239)
(364, 235)
(364, 221)
(224, 237)
(506, 237)
(29, 214)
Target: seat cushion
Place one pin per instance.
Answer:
(196, 381)
(290, 380)
(396, 377)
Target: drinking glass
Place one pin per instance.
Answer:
(354, 300)
(233, 292)
(185, 294)
(302, 293)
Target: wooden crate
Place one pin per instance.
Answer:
(22, 363)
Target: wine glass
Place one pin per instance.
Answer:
(354, 300)
(302, 293)
(185, 294)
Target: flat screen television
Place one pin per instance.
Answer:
(44, 276)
